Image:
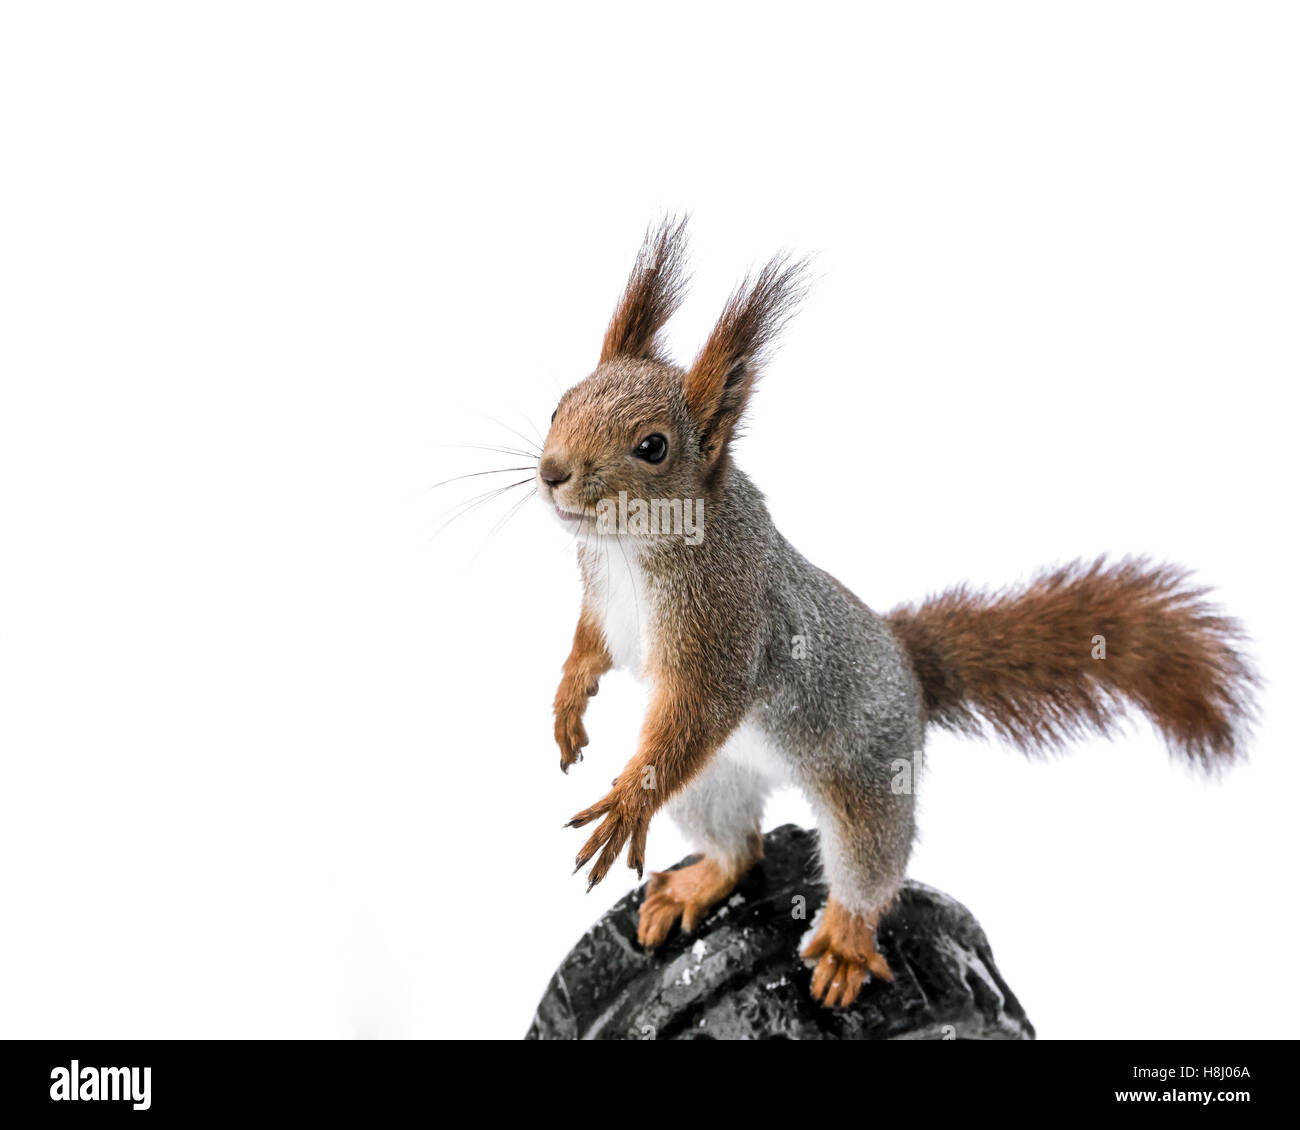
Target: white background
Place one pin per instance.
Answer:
(276, 762)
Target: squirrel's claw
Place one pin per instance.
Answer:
(570, 736)
(845, 943)
(587, 815)
(608, 839)
(836, 981)
(636, 849)
(621, 823)
(688, 894)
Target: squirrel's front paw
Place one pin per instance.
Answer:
(570, 733)
(570, 736)
(846, 945)
(626, 816)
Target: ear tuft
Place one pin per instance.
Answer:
(653, 293)
(718, 386)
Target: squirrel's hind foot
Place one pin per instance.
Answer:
(687, 893)
(845, 943)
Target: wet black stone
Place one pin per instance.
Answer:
(739, 976)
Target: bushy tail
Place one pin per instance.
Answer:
(1066, 653)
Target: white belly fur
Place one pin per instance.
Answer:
(750, 748)
(622, 604)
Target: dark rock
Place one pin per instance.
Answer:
(739, 976)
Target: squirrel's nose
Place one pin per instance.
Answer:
(553, 472)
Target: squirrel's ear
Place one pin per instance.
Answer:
(718, 386)
(652, 295)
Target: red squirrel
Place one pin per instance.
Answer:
(764, 670)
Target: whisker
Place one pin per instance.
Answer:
(476, 474)
(486, 494)
(513, 431)
(490, 447)
(508, 515)
(469, 506)
(541, 438)
(579, 528)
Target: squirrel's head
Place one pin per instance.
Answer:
(644, 427)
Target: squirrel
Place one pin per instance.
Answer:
(764, 670)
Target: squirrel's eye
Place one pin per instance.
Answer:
(554, 414)
(652, 449)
